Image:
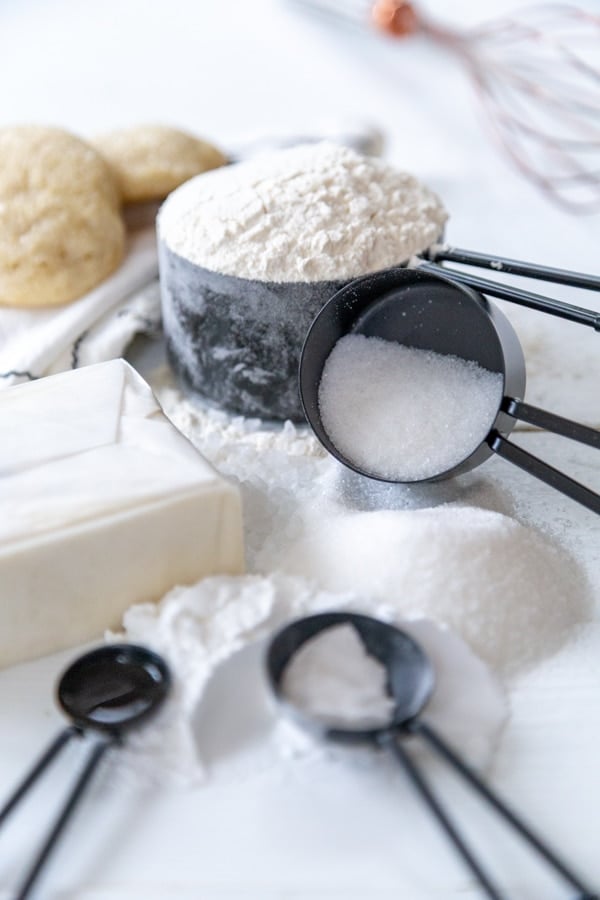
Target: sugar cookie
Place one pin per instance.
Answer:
(61, 231)
(150, 161)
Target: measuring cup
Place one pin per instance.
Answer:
(430, 311)
(410, 682)
(109, 690)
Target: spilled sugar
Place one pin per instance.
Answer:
(447, 550)
(511, 593)
(333, 679)
(405, 414)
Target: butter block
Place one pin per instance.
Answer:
(103, 504)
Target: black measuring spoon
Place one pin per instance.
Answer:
(430, 311)
(410, 682)
(109, 690)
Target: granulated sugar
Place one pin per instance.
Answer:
(332, 678)
(405, 414)
(511, 593)
(318, 212)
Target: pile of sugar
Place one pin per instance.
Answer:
(333, 679)
(401, 413)
(511, 593)
(319, 212)
(425, 550)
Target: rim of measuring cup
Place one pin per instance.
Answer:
(286, 642)
(347, 306)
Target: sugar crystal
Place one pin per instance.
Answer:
(405, 414)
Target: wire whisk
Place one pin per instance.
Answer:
(537, 76)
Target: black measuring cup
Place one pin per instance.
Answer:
(410, 680)
(430, 311)
(109, 690)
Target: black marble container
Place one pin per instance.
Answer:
(237, 342)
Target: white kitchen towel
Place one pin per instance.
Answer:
(100, 325)
(95, 328)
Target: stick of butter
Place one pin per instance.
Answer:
(103, 503)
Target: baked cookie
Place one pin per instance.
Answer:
(150, 161)
(61, 232)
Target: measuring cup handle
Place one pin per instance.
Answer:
(440, 252)
(544, 472)
(40, 766)
(94, 758)
(537, 467)
(583, 434)
(436, 743)
(391, 742)
(578, 314)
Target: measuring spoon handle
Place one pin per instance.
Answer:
(94, 758)
(568, 311)
(392, 743)
(514, 267)
(433, 739)
(40, 766)
(537, 467)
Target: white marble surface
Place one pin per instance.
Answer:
(320, 829)
(229, 70)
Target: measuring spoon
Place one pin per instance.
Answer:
(109, 690)
(430, 311)
(410, 682)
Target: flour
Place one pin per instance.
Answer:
(333, 679)
(313, 213)
(402, 413)
(203, 630)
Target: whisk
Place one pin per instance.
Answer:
(537, 76)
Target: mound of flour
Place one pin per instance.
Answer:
(204, 630)
(318, 212)
(332, 678)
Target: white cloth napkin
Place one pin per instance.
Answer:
(95, 328)
(100, 325)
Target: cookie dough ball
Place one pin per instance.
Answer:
(150, 161)
(61, 231)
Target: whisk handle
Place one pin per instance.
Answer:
(577, 314)
(513, 267)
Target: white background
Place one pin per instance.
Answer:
(230, 70)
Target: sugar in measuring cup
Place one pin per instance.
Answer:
(404, 678)
(457, 408)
